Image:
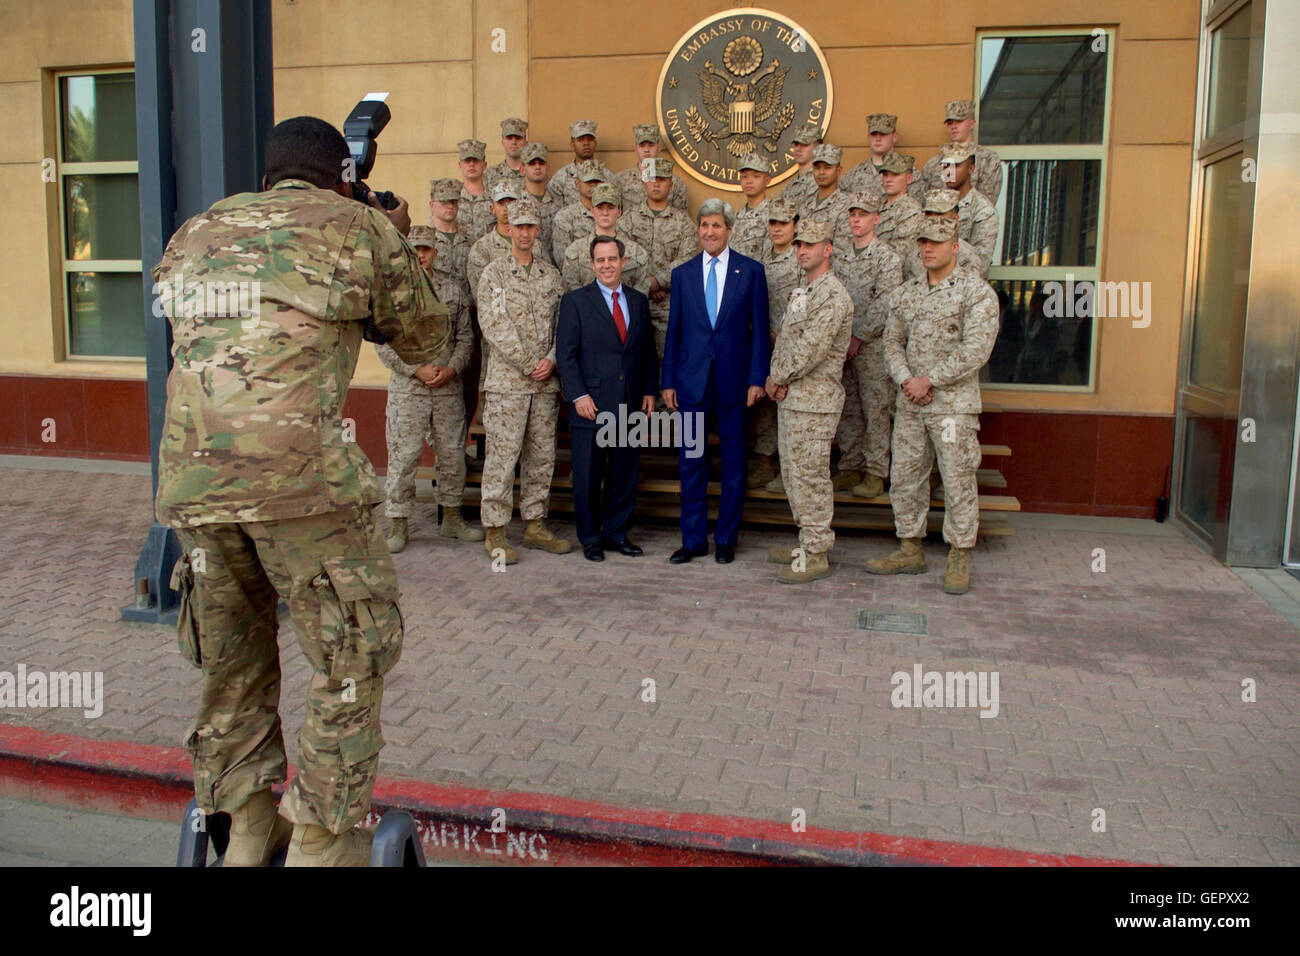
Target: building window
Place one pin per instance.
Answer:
(1044, 107)
(99, 205)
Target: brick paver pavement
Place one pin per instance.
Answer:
(1120, 690)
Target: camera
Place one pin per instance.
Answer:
(361, 130)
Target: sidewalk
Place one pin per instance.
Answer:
(1119, 691)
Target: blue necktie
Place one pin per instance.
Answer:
(711, 293)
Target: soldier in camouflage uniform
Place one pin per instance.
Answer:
(882, 137)
(495, 243)
(649, 145)
(943, 203)
(801, 185)
(669, 238)
(807, 365)
(781, 265)
(940, 332)
(607, 210)
(977, 220)
(269, 498)
(425, 402)
(830, 203)
(870, 271)
(749, 237)
(452, 262)
(563, 185)
(537, 173)
(514, 133)
(519, 298)
(959, 118)
(575, 220)
(900, 217)
(475, 213)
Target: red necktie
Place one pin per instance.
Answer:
(619, 321)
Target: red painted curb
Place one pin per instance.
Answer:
(455, 822)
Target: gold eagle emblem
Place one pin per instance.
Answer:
(742, 104)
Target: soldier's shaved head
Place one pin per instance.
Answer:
(307, 148)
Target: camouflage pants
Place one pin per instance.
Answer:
(335, 571)
(864, 429)
(414, 417)
(919, 440)
(805, 448)
(763, 425)
(520, 428)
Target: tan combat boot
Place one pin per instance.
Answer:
(257, 832)
(498, 542)
(761, 471)
(397, 538)
(776, 486)
(846, 479)
(908, 559)
(816, 565)
(454, 526)
(537, 535)
(956, 578)
(782, 554)
(873, 486)
(315, 846)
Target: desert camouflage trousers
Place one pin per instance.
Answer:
(335, 571)
(918, 441)
(415, 417)
(763, 427)
(864, 429)
(804, 440)
(519, 428)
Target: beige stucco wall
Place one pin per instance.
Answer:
(570, 59)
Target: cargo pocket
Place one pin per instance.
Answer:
(187, 625)
(360, 621)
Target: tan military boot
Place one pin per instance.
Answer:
(956, 578)
(257, 832)
(397, 538)
(498, 542)
(782, 554)
(908, 559)
(871, 487)
(846, 479)
(761, 471)
(315, 846)
(454, 526)
(816, 565)
(537, 535)
(776, 486)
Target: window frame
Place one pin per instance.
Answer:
(1069, 151)
(68, 266)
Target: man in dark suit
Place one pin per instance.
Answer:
(715, 365)
(605, 351)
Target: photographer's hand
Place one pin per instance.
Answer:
(399, 217)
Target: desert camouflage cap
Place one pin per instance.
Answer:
(896, 162)
(472, 149)
(938, 229)
(532, 151)
(781, 210)
(941, 200)
(656, 167)
(867, 202)
(958, 110)
(505, 189)
(882, 123)
(524, 212)
(956, 153)
(645, 133)
(589, 171)
(514, 126)
(755, 162)
(808, 133)
(826, 153)
(444, 190)
(582, 128)
(607, 192)
(814, 230)
(422, 236)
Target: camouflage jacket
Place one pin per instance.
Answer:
(977, 223)
(833, 209)
(517, 312)
(749, 235)
(456, 354)
(489, 247)
(783, 274)
(634, 189)
(899, 223)
(986, 176)
(669, 238)
(453, 257)
(863, 178)
(577, 272)
(562, 186)
(944, 333)
(254, 421)
(870, 274)
(494, 174)
(799, 187)
(570, 222)
(474, 215)
(967, 259)
(547, 207)
(808, 356)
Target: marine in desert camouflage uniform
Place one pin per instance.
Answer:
(537, 173)
(607, 211)
(575, 220)
(900, 217)
(781, 265)
(800, 186)
(959, 118)
(943, 203)
(649, 145)
(882, 137)
(749, 237)
(475, 213)
(582, 140)
(514, 134)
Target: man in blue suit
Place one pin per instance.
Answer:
(715, 364)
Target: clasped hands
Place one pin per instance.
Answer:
(918, 391)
